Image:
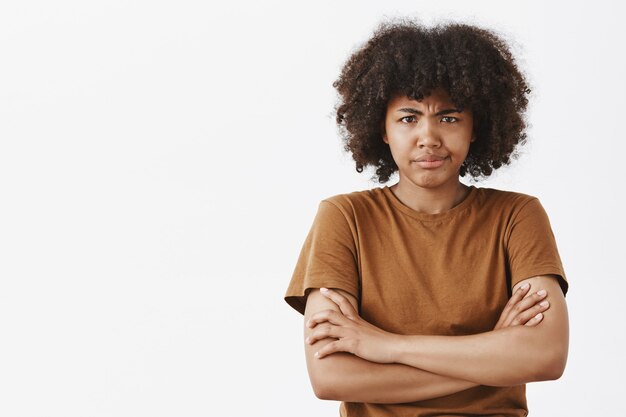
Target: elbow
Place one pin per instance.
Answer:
(323, 388)
(319, 387)
(554, 365)
(555, 369)
(321, 377)
(330, 378)
(322, 392)
(551, 374)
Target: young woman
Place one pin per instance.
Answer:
(430, 297)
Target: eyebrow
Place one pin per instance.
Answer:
(411, 110)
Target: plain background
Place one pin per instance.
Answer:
(161, 163)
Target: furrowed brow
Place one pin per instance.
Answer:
(411, 110)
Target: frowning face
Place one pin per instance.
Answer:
(428, 139)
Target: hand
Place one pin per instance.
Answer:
(523, 311)
(353, 334)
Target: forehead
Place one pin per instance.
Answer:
(437, 98)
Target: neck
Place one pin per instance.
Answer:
(430, 200)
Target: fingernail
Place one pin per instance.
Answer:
(543, 304)
(323, 289)
(317, 354)
(308, 340)
(538, 316)
(541, 293)
(524, 286)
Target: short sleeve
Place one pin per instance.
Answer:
(532, 248)
(328, 258)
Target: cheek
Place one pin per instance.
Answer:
(461, 143)
(462, 153)
(400, 149)
(399, 155)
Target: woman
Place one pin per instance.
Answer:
(430, 297)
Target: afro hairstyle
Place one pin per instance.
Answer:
(473, 65)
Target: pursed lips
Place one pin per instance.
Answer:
(429, 158)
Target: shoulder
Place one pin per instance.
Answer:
(496, 195)
(354, 203)
(504, 200)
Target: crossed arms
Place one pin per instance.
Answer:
(360, 363)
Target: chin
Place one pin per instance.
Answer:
(431, 181)
(426, 183)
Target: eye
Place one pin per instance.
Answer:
(450, 119)
(408, 119)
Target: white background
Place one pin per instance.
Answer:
(161, 163)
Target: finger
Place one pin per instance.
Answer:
(529, 301)
(535, 320)
(324, 331)
(527, 315)
(336, 346)
(515, 298)
(524, 305)
(331, 316)
(344, 305)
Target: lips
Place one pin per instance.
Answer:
(430, 161)
(430, 158)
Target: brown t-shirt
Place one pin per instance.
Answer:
(449, 273)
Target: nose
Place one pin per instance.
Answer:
(428, 136)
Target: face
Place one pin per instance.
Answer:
(428, 139)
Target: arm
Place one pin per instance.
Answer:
(346, 377)
(503, 357)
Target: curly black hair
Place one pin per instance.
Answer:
(474, 65)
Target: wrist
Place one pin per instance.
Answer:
(399, 347)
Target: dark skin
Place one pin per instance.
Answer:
(429, 140)
(476, 66)
(473, 64)
(346, 377)
(431, 128)
(508, 355)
